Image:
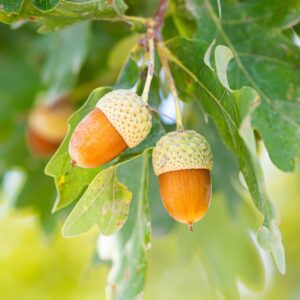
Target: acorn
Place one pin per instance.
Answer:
(183, 162)
(120, 120)
(47, 127)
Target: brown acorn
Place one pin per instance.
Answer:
(120, 120)
(183, 161)
(47, 127)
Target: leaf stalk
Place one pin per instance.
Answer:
(170, 79)
(150, 39)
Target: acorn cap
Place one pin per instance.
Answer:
(181, 151)
(128, 114)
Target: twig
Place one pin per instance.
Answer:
(150, 73)
(154, 26)
(166, 66)
(160, 15)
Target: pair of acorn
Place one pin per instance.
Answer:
(181, 160)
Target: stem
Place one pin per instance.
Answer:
(150, 73)
(166, 66)
(160, 14)
(134, 19)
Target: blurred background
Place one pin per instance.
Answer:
(52, 75)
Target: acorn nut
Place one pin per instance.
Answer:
(183, 162)
(120, 120)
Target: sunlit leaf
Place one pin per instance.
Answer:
(105, 203)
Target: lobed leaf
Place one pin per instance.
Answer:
(267, 61)
(105, 203)
(54, 14)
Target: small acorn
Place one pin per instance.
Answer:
(47, 127)
(183, 162)
(120, 120)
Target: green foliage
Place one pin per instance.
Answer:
(232, 61)
(127, 276)
(105, 203)
(54, 14)
(67, 53)
(257, 56)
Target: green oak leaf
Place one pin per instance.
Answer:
(265, 59)
(65, 12)
(284, 15)
(45, 4)
(127, 275)
(11, 6)
(105, 203)
(279, 125)
(121, 51)
(129, 75)
(182, 17)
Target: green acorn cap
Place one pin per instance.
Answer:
(181, 151)
(128, 113)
